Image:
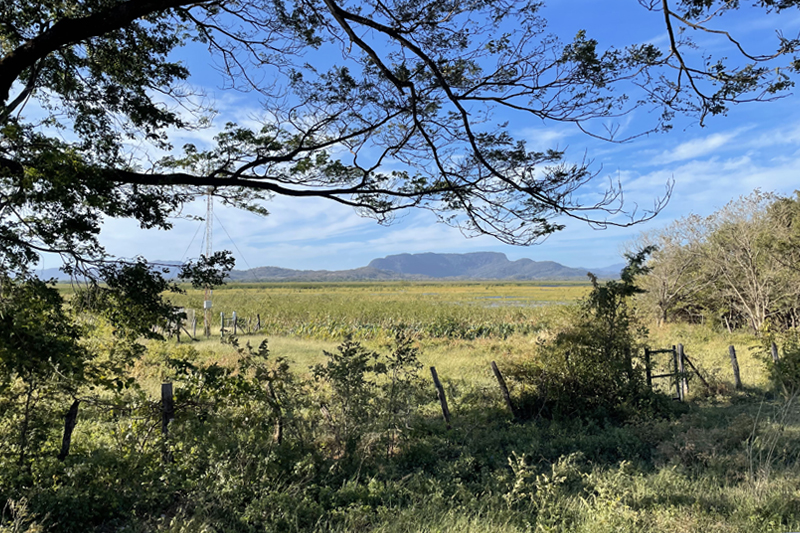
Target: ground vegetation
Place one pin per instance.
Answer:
(272, 437)
(92, 94)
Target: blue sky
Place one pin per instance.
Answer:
(755, 146)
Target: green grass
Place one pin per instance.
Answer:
(707, 348)
(376, 310)
(460, 326)
(725, 461)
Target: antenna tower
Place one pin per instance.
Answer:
(209, 248)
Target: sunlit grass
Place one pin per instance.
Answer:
(460, 327)
(724, 465)
(707, 348)
(377, 310)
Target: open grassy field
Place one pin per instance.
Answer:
(460, 326)
(375, 310)
(352, 457)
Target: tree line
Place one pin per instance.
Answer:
(737, 267)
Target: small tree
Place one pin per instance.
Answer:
(587, 367)
(41, 361)
(364, 393)
(673, 280)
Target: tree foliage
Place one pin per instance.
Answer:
(737, 266)
(380, 106)
(672, 283)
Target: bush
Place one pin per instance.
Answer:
(586, 368)
(785, 375)
(366, 399)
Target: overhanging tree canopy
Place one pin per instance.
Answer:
(399, 116)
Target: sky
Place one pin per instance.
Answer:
(754, 146)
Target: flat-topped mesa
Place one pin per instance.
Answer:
(476, 265)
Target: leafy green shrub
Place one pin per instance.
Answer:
(586, 368)
(367, 400)
(785, 375)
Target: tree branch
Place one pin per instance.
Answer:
(69, 31)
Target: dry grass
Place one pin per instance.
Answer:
(305, 319)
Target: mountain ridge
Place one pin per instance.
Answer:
(433, 266)
(413, 267)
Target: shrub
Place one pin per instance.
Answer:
(366, 399)
(586, 368)
(785, 374)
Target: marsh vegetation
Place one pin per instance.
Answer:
(332, 424)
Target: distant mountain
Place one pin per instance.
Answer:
(438, 265)
(286, 274)
(426, 266)
(478, 265)
(50, 273)
(611, 271)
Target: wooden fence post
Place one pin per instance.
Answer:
(648, 370)
(222, 325)
(675, 372)
(167, 407)
(258, 322)
(737, 380)
(684, 385)
(504, 390)
(234, 323)
(774, 349)
(167, 416)
(69, 425)
(442, 398)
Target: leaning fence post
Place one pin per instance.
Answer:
(774, 348)
(504, 389)
(440, 393)
(69, 425)
(737, 380)
(648, 371)
(684, 385)
(258, 322)
(167, 416)
(696, 371)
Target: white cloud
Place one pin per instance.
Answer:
(775, 137)
(696, 148)
(545, 137)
